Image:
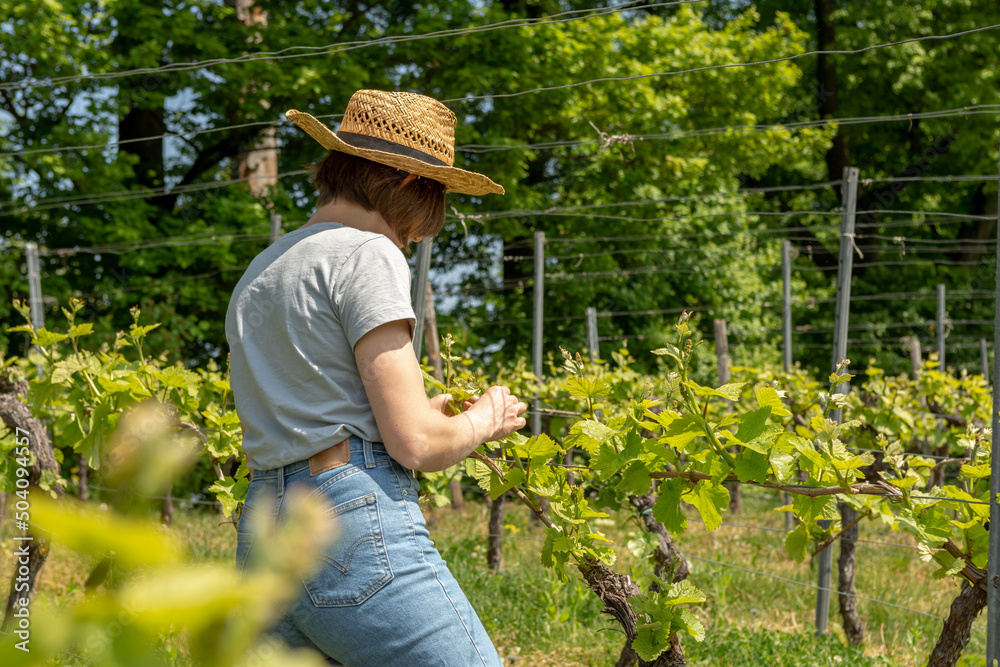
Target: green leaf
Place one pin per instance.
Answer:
(752, 424)
(684, 592)
(783, 464)
(512, 478)
(479, 471)
(588, 435)
(112, 386)
(100, 425)
(687, 621)
(44, 338)
(223, 490)
(752, 467)
(682, 431)
(635, 479)
(538, 449)
(89, 530)
(137, 331)
(767, 397)
(797, 543)
(814, 509)
(78, 330)
(710, 501)
(651, 639)
(587, 388)
(667, 509)
(976, 472)
(730, 392)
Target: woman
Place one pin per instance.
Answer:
(331, 396)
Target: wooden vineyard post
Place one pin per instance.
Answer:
(431, 337)
(915, 360)
(275, 227)
(722, 355)
(424, 249)
(593, 346)
(853, 625)
(16, 416)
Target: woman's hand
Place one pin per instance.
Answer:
(496, 414)
(442, 403)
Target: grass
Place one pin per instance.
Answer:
(751, 619)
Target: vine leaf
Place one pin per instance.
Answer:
(710, 501)
(752, 467)
(768, 397)
(797, 543)
(752, 424)
(588, 435)
(813, 509)
(498, 487)
(537, 449)
(730, 392)
(667, 509)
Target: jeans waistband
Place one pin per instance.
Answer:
(369, 450)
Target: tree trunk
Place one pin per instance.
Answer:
(670, 566)
(854, 625)
(826, 94)
(958, 626)
(431, 339)
(670, 562)
(27, 564)
(457, 499)
(83, 492)
(494, 550)
(167, 510)
(257, 161)
(614, 590)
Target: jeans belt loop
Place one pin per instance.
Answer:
(369, 456)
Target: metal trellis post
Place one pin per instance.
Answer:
(786, 301)
(993, 562)
(35, 286)
(592, 344)
(419, 299)
(536, 418)
(915, 360)
(849, 197)
(984, 357)
(275, 227)
(940, 326)
(722, 350)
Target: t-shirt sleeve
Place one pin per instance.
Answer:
(372, 289)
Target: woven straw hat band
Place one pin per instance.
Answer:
(420, 124)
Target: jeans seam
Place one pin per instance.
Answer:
(444, 589)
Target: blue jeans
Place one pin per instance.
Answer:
(382, 595)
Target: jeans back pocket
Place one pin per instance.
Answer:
(355, 565)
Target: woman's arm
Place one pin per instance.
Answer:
(416, 433)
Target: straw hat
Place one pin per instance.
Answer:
(403, 130)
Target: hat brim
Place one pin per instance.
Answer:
(454, 179)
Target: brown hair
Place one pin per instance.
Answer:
(412, 206)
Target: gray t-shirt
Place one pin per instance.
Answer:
(292, 324)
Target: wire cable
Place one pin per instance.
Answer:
(724, 66)
(329, 49)
(813, 586)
